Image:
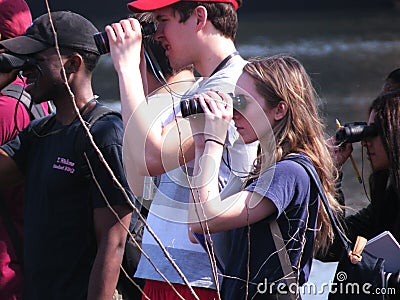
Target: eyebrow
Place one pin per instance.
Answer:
(159, 16)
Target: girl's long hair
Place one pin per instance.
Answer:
(385, 196)
(283, 78)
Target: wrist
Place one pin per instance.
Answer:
(214, 141)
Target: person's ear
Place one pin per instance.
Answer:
(200, 13)
(73, 63)
(281, 110)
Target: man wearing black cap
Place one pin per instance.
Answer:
(73, 242)
(192, 32)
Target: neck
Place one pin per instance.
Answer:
(184, 75)
(65, 110)
(212, 54)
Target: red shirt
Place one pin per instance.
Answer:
(13, 118)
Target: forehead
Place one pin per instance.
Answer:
(246, 83)
(163, 12)
(46, 52)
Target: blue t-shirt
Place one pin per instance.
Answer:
(60, 244)
(288, 186)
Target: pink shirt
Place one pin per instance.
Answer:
(13, 118)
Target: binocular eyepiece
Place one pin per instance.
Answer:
(9, 62)
(103, 44)
(192, 106)
(355, 132)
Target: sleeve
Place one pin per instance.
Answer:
(20, 147)
(107, 133)
(13, 118)
(359, 224)
(284, 183)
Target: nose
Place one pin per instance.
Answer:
(236, 115)
(159, 33)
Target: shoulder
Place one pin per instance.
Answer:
(290, 173)
(285, 174)
(225, 80)
(106, 125)
(291, 168)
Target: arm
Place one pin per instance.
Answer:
(110, 234)
(145, 139)
(111, 237)
(125, 47)
(235, 211)
(154, 149)
(9, 172)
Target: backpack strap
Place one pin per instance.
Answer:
(284, 259)
(18, 92)
(98, 112)
(82, 143)
(337, 228)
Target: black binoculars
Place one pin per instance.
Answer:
(9, 62)
(192, 106)
(103, 44)
(355, 132)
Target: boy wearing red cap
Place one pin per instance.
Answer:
(192, 32)
(15, 18)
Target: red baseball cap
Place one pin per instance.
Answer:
(15, 18)
(149, 5)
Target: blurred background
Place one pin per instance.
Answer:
(348, 48)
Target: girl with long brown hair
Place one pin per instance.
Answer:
(281, 112)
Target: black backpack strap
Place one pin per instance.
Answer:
(338, 230)
(18, 92)
(99, 111)
(82, 143)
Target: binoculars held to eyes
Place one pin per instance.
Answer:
(355, 132)
(103, 44)
(9, 62)
(192, 106)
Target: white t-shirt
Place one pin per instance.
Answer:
(169, 213)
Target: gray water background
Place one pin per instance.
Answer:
(348, 54)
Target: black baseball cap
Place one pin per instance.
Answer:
(73, 31)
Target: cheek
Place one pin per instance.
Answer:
(383, 155)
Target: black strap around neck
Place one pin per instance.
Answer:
(94, 99)
(223, 63)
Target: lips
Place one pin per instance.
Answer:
(239, 129)
(167, 48)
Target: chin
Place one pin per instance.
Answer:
(249, 140)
